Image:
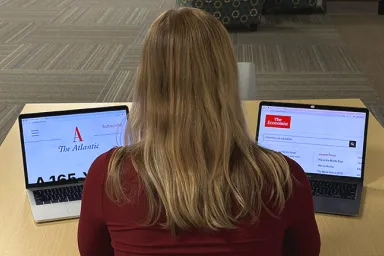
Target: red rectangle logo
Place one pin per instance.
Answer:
(275, 121)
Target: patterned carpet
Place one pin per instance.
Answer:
(88, 51)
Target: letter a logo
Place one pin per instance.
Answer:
(77, 135)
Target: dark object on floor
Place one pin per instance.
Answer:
(234, 13)
(381, 6)
(253, 27)
(294, 6)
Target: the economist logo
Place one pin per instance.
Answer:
(275, 121)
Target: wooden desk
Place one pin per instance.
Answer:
(20, 236)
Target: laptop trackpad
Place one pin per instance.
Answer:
(74, 208)
(336, 206)
(49, 212)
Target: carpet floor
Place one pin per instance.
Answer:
(88, 51)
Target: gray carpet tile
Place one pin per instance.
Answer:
(94, 16)
(38, 86)
(63, 57)
(118, 87)
(294, 86)
(8, 117)
(155, 4)
(24, 14)
(6, 50)
(365, 37)
(14, 33)
(131, 58)
(89, 50)
(36, 3)
(296, 58)
(291, 35)
(82, 34)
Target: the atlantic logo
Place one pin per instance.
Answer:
(77, 135)
(275, 121)
(78, 147)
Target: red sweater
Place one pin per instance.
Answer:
(109, 229)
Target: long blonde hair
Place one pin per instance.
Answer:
(188, 137)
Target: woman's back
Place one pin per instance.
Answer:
(191, 181)
(110, 229)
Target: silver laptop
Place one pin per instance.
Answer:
(328, 142)
(58, 148)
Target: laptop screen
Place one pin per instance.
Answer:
(326, 142)
(63, 147)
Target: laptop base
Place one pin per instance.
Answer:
(337, 206)
(53, 212)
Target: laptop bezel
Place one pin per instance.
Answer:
(323, 107)
(58, 113)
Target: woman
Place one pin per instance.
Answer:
(193, 182)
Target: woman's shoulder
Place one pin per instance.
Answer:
(104, 157)
(99, 168)
(102, 161)
(296, 170)
(300, 183)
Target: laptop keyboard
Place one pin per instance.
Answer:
(333, 189)
(58, 195)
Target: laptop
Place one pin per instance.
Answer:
(329, 142)
(58, 148)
